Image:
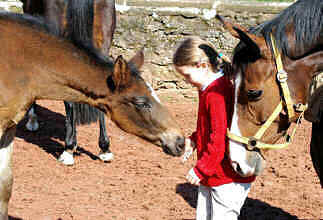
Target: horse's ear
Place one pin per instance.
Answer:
(240, 32)
(138, 59)
(121, 75)
(230, 27)
(245, 38)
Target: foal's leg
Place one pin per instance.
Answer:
(70, 135)
(317, 149)
(6, 178)
(104, 141)
(32, 124)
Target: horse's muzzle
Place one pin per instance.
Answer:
(253, 166)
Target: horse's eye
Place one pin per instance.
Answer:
(254, 94)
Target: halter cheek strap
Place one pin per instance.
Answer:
(282, 77)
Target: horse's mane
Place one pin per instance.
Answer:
(306, 19)
(80, 15)
(80, 21)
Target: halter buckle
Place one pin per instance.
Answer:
(282, 76)
(252, 143)
(300, 107)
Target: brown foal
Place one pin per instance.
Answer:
(37, 65)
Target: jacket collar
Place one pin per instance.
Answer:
(214, 77)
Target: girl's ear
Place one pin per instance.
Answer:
(202, 64)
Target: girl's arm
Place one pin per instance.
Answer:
(211, 158)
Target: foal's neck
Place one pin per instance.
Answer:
(36, 65)
(63, 72)
(73, 79)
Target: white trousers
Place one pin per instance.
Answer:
(221, 202)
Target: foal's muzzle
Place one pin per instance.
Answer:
(176, 148)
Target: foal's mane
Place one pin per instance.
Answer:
(306, 19)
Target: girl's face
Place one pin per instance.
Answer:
(194, 74)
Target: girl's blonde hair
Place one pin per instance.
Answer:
(195, 50)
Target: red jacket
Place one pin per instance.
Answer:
(214, 115)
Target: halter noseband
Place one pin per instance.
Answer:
(282, 76)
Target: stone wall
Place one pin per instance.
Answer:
(159, 25)
(159, 29)
(11, 5)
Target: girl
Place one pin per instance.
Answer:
(222, 192)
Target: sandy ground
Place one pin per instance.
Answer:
(143, 182)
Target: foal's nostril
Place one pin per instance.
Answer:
(180, 143)
(167, 150)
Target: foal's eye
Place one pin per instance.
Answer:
(254, 95)
(141, 103)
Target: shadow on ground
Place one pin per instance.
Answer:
(253, 209)
(14, 218)
(51, 131)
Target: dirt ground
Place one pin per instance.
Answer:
(142, 182)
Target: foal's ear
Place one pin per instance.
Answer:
(240, 32)
(121, 75)
(138, 59)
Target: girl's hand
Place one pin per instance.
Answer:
(192, 178)
(188, 150)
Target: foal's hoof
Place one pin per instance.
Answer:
(106, 157)
(66, 158)
(32, 125)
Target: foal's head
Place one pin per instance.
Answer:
(135, 107)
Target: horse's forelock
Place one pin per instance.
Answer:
(242, 56)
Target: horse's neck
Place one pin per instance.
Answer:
(308, 65)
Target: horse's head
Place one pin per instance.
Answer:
(257, 94)
(135, 107)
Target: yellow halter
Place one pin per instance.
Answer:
(282, 76)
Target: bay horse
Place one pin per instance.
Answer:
(275, 64)
(36, 64)
(84, 22)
